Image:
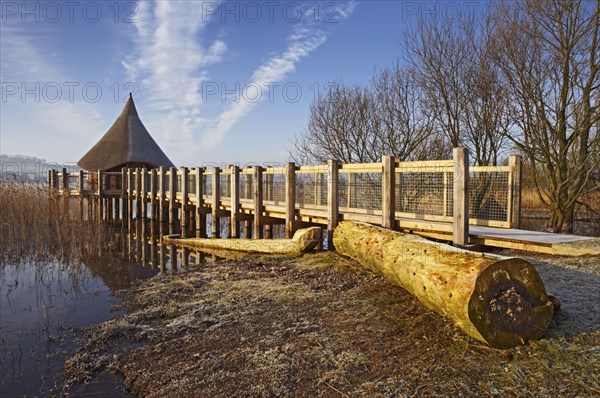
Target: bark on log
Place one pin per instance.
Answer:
(498, 300)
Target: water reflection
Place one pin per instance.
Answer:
(41, 306)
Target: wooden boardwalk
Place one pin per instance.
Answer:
(445, 200)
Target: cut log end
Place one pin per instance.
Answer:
(509, 304)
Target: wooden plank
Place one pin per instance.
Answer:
(332, 200)
(388, 200)
(361, 167)
(491, 169)
(312, 169)
(461, 197)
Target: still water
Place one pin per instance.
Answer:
(42, 306)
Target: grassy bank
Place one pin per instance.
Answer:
(320, 325)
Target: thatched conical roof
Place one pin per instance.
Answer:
(126, 142)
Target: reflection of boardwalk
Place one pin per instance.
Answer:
(445, 199)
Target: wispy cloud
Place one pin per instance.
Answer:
(169, 63)
(29, 62)
(305, 38)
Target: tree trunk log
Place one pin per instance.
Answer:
(304, 240)
(498, 300)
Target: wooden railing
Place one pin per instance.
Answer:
(425, 194)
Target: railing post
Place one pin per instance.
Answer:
(235, 201)
(258, 202)
(515, 191)
(81, 193)
(49, 180)
(161, 194)
(461, 197)
(185, 215)
(100, 196)
(153, 189)
(200, 216)
(65, 182)
(216, 202)
(144, 192)
(333, 209)
(290, 198)
(388, 200)
(172, 199)
(130, 185)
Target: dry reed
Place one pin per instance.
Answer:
(38, 227)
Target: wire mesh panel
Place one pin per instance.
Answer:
(246, 184)
(424, 193)
(167, 182)
(311, 187)
(207, 184)
(489, 195)
(360, 190)
(178, 185)
(225, 184)
(274, 187)
(73, 181)
(192, 182)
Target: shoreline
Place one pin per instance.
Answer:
(321, 325)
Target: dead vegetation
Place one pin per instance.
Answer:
(320, 325)
(37, 228)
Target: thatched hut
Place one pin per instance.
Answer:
(126, 144)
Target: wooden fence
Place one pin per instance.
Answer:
(443, 197)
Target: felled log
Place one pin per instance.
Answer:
(498, 300)
(304, 240)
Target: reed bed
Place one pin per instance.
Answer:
(38, 227)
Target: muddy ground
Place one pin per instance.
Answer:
(321, 326)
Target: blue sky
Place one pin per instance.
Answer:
(214, 82)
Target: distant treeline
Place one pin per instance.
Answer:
(29, 169)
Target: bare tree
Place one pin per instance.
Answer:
(548, 53)
(358, 124)
(461, 85)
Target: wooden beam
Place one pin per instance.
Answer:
(153, 192)
(333, 209)
(290, 199)
(516, 164)
(461, 197)
(235, 202)
(185, 213)
(258, 202)
(144, 193)
(200, 215)
(388, 200)
(100, 195)
(216, 202)
(161, 194)
(172, 199)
